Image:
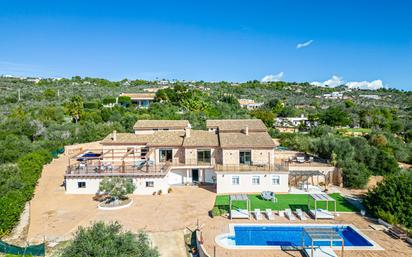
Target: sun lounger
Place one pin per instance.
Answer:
(398, 232)
(269, 214)
(289, 214)
(258, 214)
(321, 214)
(300, 214)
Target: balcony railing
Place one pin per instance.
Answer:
(193, 162)
(81, 169)
(250, 167)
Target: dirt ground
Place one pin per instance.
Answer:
(55, 215)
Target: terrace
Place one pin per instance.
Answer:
(91, 163)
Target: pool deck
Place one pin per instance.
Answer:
(220, 225)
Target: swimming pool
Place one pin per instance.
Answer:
(289, 235)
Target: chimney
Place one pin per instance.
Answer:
(247, 131)
(114, 137)
(187, 132)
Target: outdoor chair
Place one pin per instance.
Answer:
(398, 232)
(300, 214)
(289, 214)
(139, 164)
(267, 195)
(258, 214)
(269, 214)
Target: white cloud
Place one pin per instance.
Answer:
(304, 44)
(332, 82)
(337, 81)
(373, 85)
(271, 78)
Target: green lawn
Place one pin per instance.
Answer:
(292, 201)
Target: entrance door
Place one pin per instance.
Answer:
(195, 175)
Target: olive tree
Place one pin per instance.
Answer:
(108, 240)
(117, 187)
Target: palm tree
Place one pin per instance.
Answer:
(76, 107)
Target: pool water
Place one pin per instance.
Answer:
(289, 236)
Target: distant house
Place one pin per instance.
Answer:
(291, 124)
(163, 82)
(374, 97)
(333, 95)
(154, 89)
(143, 100)
(249, 104)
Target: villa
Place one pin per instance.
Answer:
(143, 100)
(237, 156)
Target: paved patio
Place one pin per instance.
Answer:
(55, 215)
(393, 247)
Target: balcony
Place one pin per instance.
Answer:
(126, 170)
(253, 167)
(193, 163)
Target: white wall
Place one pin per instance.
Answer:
(224, 183)
(92, 185)
(209, 176)
(177, 177)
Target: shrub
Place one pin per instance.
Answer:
(117, 187)
(109, 100)
(125, 100)
(215, 212)
(391, 199)
(108, 240)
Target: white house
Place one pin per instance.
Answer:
(234, 155)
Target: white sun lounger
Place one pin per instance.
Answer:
(321, 214)
(300, 214)
(322, 251)
(289, 214)
(269, 214)
(258, 214)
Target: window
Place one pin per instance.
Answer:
(165, 155)
(245, 157)
(149, 183)
(144, 151)
(275, 180)
(203, 156)
(235, 180)
(81, 184)
(256, 180)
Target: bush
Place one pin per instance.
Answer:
(109, 100)
(117, 187)
(391, 199)
(108, 240)
(90, 105)
(125, 100)
(215, 212)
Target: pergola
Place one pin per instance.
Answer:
(239, 213)
(322, 235)
(306, 174)
(321, 197)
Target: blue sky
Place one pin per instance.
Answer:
(210, 40)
